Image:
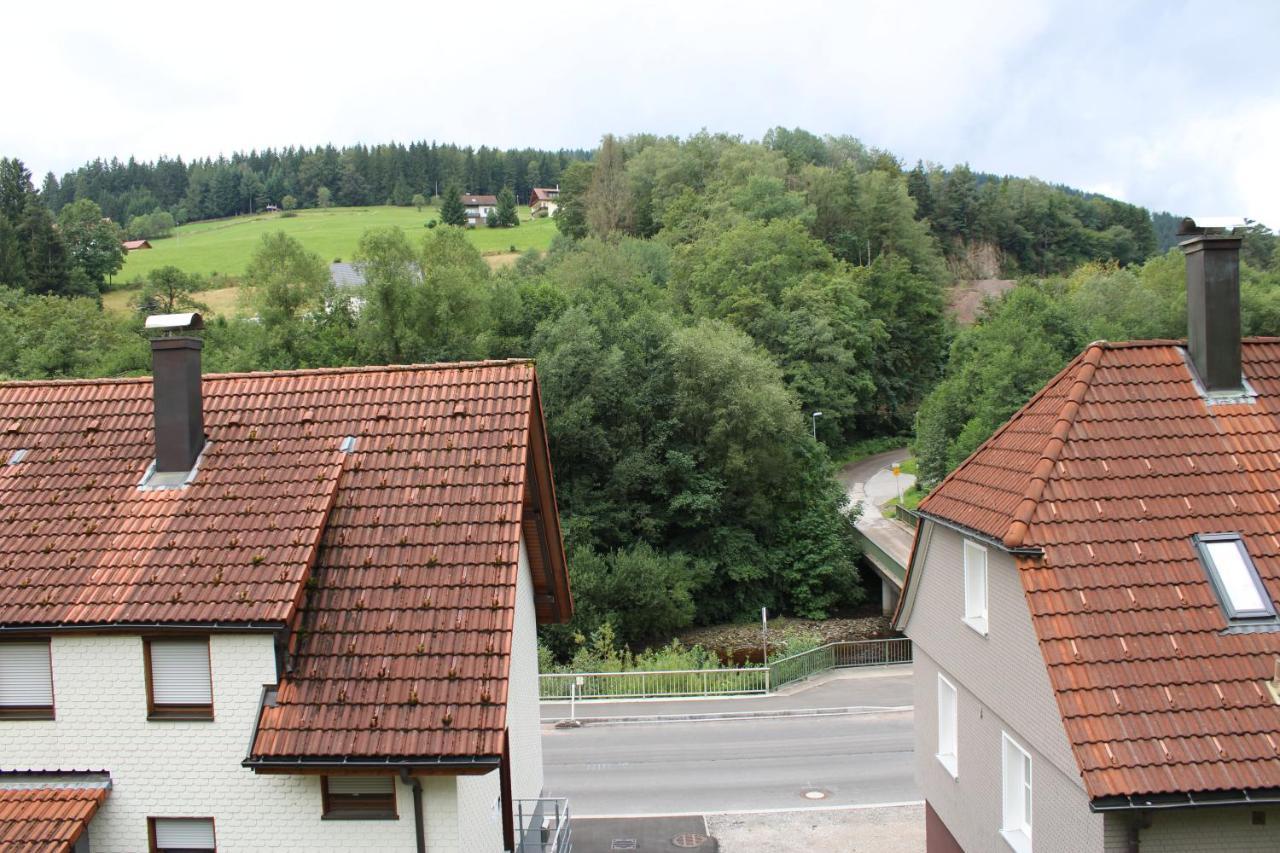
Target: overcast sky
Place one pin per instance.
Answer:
(1171, 105)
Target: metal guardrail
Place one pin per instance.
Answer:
(840, 655)
(543, 826)
(565, 686)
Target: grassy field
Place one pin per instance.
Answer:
(224, 246)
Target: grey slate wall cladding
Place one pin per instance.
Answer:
(1002, 686)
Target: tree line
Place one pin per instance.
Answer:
(355, 175)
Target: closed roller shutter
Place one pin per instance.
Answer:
(184, 833)
(180, 672)
(26, 679)
(360, 785)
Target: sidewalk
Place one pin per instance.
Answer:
(868, 687)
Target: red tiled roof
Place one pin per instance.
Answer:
(545, 194)
(405, 549)
(130, 245)
(1108, 473)
(46, 820)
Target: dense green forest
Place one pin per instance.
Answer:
(357, 175)
(704, 296)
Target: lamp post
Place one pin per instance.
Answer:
(815, 417)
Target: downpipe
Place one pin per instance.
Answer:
(418, 818)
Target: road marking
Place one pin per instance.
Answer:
(855, 807)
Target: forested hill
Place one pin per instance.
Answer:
(380, 174)
(1032, 227)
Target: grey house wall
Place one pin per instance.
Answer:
(1002, 686)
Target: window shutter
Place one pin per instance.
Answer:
(184, 833)
(26, 679)
(360, 785)
(180, 672)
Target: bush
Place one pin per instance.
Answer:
(288, 203)
(431, 223)
(288, 214)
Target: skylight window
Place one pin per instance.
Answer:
(1234, 576)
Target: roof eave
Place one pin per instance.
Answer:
(1185, 800)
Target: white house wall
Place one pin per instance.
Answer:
(192, 769)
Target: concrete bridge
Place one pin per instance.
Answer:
(886, 542)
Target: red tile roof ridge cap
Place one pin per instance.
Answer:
(307, 371)
(1015, 536)
(1071, 365)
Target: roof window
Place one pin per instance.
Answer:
(18, 455)
(1235, 578)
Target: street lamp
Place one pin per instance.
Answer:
(815, 417)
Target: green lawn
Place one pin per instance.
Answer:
(224, 246)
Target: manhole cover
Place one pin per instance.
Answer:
(815, 795)
(623, 844)
(689, 839)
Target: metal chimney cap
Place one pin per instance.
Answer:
(176, 322)
(1210, 225)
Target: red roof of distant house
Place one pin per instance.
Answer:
(478, 200)
(1107, 473)
(46, 820)
(130, 245)
(408, 544)
(545, 194)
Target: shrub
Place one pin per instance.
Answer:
(431, 223)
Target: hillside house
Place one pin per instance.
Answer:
(478, 207)
(134, 245)
(544, 201)
(276, 611)
(1092, 601)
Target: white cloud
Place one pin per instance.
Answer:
(1137, 100)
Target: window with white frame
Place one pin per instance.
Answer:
(181, 835)
(26, 680)
(178, 681)
(1016, 823)
(948, 712)
(975, 586)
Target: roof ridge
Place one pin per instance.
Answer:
(306, 371)
(1043, 470)
(1044, 389)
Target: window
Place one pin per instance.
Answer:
(181, 834)
(1016, 827)
(26, 680)
(975, 586)
(1234, 577)
(178, 682)
(948, 708)
(358, 797)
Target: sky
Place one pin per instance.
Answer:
(1171, 105)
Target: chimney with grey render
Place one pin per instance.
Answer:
(179, 404)
(1213, 307)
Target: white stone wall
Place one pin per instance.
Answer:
(192, 769)
(480, 813)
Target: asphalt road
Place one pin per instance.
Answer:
(735, 765)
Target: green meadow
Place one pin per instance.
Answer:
(224, 246)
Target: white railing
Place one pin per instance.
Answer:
(543, 826)
(571, 686)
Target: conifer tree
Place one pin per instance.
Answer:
(451, 210)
